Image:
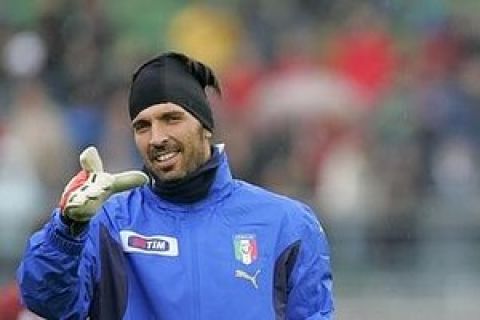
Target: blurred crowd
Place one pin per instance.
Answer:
(368, 111)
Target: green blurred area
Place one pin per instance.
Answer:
(142, 22)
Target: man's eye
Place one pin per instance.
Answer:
(139, 126)
(174, 118)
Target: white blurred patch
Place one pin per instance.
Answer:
(24, 54)
(27, 315)
(454, 168)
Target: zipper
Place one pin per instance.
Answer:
(191, 237)
(195, 274)
(198, 217)
(193, 221)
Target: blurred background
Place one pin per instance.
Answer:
(369, 111)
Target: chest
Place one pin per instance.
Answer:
(203, 264)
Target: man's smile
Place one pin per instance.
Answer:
(166, 160)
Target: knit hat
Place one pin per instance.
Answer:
(176, 78)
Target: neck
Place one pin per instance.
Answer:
(192, 188)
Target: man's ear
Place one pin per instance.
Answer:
(207, 134)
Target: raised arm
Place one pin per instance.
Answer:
(60, 267)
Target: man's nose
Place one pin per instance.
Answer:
(159, 135)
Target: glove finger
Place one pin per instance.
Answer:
(128, 180)
(77, 199)
(84, 206)
(78, 213)
(98, 192)
(101, 181)
(90, 160)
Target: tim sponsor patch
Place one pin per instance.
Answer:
(156, 245)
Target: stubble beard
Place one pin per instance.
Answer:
(193, 155)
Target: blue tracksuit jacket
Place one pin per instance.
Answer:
(241, 253)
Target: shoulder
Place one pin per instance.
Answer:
(292, 211)
(257, 193)
(290, 221)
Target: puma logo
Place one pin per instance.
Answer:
(244, 275)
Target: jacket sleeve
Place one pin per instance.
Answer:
(57, 273)
(310, 283)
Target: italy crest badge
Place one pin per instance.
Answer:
(246, 250)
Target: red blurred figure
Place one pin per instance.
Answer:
(10, 305)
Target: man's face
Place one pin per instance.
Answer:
(170, 140)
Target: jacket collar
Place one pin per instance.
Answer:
(221, 187)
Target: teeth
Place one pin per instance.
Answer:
(165, 157)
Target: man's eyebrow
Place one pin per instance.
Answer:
(138, 122)
(173, 112)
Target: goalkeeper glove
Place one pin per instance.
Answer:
(87, 191)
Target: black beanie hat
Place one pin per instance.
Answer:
(176, 78)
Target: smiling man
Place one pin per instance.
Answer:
(171, 141)
(183, 239)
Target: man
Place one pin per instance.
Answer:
(193, 243)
